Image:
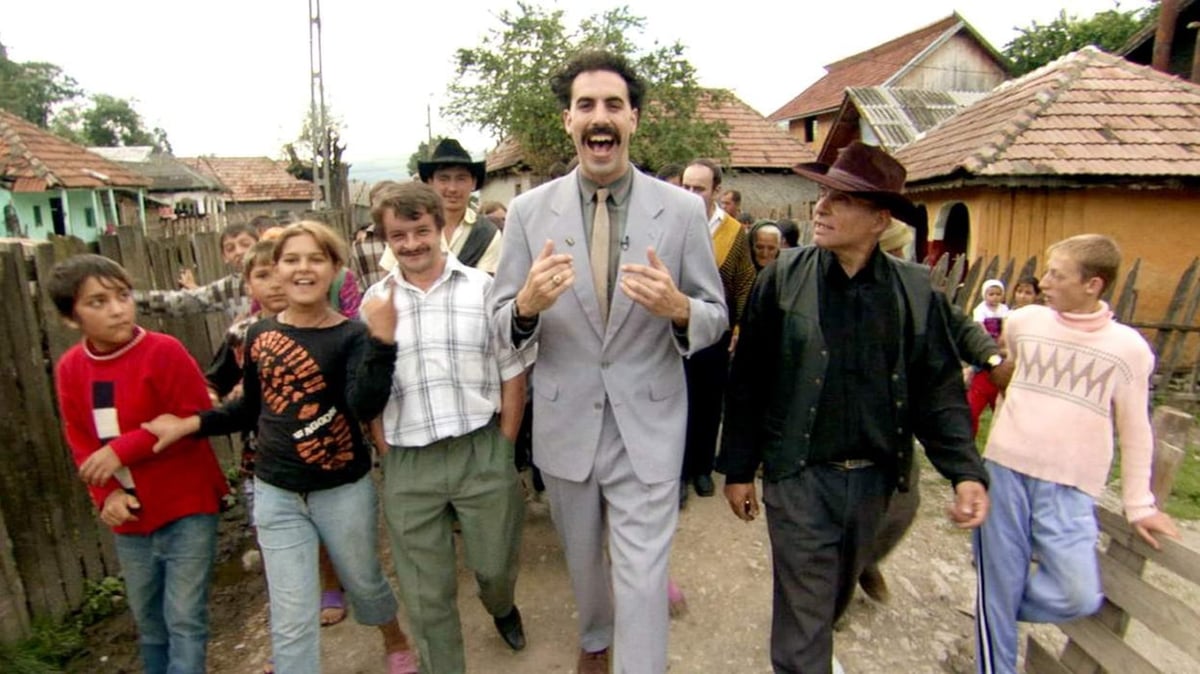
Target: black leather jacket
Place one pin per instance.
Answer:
(780, 363)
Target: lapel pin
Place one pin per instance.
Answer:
(570, 241)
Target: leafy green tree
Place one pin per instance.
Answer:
(503, 87)
(33, 89)
(422, 154)
(1039, 44)
(112, 121)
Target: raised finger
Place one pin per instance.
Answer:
(542, 264)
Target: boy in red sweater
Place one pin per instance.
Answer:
(162, 506)
(1079, 375)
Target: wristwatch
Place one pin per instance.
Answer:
(993, 362)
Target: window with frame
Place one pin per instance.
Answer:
(89, 216)
(37, 216)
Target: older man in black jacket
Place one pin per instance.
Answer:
(845, 354)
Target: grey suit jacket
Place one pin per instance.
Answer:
(636, 360)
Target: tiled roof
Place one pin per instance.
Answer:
(165, 172)
(897, 116)
(1087, 114)
(753, 142)
(253, 178)
(506, 155)
(35, 160)
(872, 67)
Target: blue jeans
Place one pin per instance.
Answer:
(291, 525)
(1029, 516)
(167, 575)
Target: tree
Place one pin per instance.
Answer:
(1039, 44)
(32, 90)
(503, 88)
(299, 155)
(422, 154)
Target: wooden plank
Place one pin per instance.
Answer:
(14, 614)
(937, 275)
(955, 275)
(1173, 307)
(969, 283)
(28, 493)
(1108, 649)
(1125, 300)
(1176, 555)
(1006, 277)
(1168, 362)
(59, 337)
(1039, 660)
(110, 247)
(1078, 661)
(1164, 614)
(973, 294)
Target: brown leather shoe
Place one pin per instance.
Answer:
(592, 663)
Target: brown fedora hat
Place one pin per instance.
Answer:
(867, 172)
(450, 153)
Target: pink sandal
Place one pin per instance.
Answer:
(332, 599)
(402, 662)
(677, 603)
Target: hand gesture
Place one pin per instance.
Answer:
(100, 466)
(549, 277)
(187, 279)
(379, 313)
(743, 500)
(970, 505)
(1160, 522)
(170, 428)
(118, 508)
(652, 287)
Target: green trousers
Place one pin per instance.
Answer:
(472, 479)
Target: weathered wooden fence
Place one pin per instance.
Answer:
(1175, 337)
(1099, 642)
(50, 539)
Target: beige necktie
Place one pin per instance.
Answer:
(599, 251)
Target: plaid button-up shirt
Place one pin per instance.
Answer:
(365, 258)
(448, 363)
(227, 294)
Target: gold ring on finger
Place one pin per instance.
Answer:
(556, 279)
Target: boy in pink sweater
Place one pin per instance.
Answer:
(1078, 374)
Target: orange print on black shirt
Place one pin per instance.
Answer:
(290, 380)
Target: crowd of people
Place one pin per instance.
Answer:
(620, 327)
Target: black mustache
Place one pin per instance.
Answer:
(606, 129)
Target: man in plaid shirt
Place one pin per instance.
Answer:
(455, 408)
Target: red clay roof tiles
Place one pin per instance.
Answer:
(253, 178)
(1087, 114)
(37, 160)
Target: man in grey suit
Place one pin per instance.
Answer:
(611, 274)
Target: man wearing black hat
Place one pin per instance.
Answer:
(844, 355)
(475, 241)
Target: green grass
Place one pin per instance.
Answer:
(54, 643)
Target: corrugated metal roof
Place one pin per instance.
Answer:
(37, 160)
(898, 116)
(164, 171)
(1086, 114)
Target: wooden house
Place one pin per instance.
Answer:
(1088, 143)
(49, 185)
(947, 55)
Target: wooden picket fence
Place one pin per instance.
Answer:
(1175, 338)
(50, 539)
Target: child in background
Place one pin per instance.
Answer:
(162, 507)
(1079, 376)
(982, 393)
(1026, 292)
(226, 294)
(311, 378)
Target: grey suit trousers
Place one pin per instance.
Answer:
(639, 520)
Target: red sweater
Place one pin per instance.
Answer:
(104, 399)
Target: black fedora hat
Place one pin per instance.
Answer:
(867, 172)
(449, 153)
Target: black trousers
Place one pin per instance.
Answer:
(707, 372)
(823, 524)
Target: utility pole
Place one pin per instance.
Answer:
(316, 90)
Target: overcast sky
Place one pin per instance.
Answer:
(232, 77)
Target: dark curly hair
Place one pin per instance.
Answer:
(596, 59)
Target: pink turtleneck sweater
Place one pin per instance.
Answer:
(1077, 376)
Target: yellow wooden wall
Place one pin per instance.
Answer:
(1162, 227)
